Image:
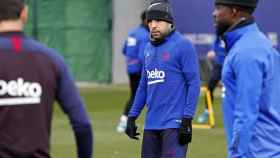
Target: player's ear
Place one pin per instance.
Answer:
(171, 26)
(24, 14)
(234, 10)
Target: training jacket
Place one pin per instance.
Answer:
(220, 52)
(170, 83)
(133, 49)
(251, 103)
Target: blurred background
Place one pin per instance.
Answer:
(90, 35)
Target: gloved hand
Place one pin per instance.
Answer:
(185, 131)
(131, 129)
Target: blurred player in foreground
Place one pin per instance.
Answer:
(32, 77)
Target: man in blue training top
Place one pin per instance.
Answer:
(251, 80)
(32, 77)
(169, 86)
(134, 55)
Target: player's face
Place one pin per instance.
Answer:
(159, 29)
(222, 18)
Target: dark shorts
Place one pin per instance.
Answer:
(162, 144)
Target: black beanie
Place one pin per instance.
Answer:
(242, 3)
(160, 10)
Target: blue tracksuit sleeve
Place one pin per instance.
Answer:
(140, 98)
(131, 46)
(248, 73)
(131, 52)
(190, 68)
(71, 103)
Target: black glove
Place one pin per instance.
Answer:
(131, 129)
(185, 131)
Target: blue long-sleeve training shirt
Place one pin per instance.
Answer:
(251, 103)
(220, 51)
(32, 78)
(170, 83)
(133, 49)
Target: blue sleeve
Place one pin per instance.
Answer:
(220, 51)
(69, 99)
(249, 71)
(132, 46)
(140, 98)
(190, 68)
(131, 52)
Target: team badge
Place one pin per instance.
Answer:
(165, 56)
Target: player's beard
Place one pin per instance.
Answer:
(221, 28)
(158, 37)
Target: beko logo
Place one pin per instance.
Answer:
(156, 76)
(20, 92)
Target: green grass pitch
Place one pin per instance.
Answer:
(105, 104)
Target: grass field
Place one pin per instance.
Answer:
(105, 105)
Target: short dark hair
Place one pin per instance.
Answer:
(143, 16)
(11, 9)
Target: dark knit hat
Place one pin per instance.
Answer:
(242, 3)
(160, 10)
